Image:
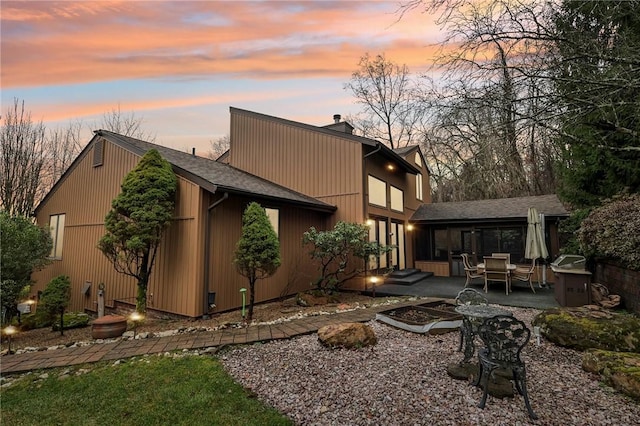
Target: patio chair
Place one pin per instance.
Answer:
(495, 269)
(468, 296)
(504, 338)
(470, 271)
(525, 274)
(502, 256)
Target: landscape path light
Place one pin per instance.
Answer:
(136, 317)
(9, 331)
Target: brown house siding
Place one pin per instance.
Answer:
(322, 166)
(85, 197)
(296, 271)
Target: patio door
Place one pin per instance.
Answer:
(396, 238)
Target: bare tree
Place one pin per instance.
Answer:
(218, 147)
(22, 160)
(127, 124)
(62, 147)
(495, 117)
(389, 97)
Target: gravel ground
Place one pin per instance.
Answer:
(403, 381)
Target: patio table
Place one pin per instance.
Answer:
(476, 314)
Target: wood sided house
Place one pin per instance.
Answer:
(303, 175)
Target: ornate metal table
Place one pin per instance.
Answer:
(474, 315)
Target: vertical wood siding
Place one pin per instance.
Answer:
(322, 166)
(85, 197)
(295, 273)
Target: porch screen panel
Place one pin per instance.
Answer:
(440, 245)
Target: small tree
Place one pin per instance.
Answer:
(257, 254)
(341, 253)
(137, 218)
(24, 249)
(55, 299)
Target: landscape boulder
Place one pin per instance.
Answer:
(351, 335)
(589, 327)
(621, 370)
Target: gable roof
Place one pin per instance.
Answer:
(494, 210)
(209, 174)
(384, 150)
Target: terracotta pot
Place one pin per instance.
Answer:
(108, 326)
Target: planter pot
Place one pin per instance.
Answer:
(108, 326)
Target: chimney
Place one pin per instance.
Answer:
(193, 151)
(336, 118)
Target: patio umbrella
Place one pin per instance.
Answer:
(535, 247)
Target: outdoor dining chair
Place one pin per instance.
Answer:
(468, 296)
(502, 256)
(504, 338)
(470, 271)
(495, 269)
(525, 274)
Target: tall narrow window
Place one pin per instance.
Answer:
(419, 186)
(274, 218)
(397, 199)
(56, 225)
(377, 192)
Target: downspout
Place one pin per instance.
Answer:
(207, 254)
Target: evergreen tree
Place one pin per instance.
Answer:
(24, 249)
(257, 254)
(137, 218)
(55, 298)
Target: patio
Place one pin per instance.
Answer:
(448, 288)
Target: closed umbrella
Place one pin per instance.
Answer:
(535, 247)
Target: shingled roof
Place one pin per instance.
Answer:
(216, 176)
(501, 209)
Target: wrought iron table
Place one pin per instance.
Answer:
(474, 315)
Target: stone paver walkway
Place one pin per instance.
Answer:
(129, 348)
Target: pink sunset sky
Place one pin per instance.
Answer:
(179, 65)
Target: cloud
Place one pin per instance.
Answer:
(57, 43)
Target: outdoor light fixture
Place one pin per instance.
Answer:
(136, 317)
(391, 167)
(374, 280)
(370, 222)
(409, 227)
(10, 331)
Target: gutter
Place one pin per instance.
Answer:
(207, 254)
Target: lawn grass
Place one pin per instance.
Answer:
(155, 390)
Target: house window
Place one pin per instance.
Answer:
(419, 186)
(56, 226)
(418, 160)
(397, 200)
(377, 192)
(274, 218)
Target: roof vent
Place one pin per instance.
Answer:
(336, 118)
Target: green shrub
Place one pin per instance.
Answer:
(55, 298)
(612, 231)
(41, 319)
